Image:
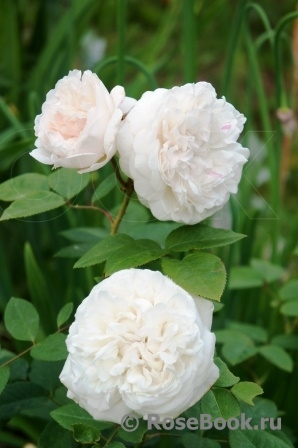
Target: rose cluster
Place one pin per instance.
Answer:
(140, 342)
(179, 146)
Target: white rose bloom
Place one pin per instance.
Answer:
(79, 122)
(180, 148)
(139, 343)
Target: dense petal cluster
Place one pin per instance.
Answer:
(79, 122)
(139, 343)
(180, 148)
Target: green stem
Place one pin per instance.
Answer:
(9, 361)
(281, 100)
(121, 22)
(188, 41)
(117, 172)
(128, 191)
(17, 356)
(92, 207)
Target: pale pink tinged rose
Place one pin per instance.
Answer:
(79, 122)
(180, 148)
(139, 343)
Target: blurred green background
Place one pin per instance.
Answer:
(232, 44)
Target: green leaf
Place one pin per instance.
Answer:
(103, 250)
(289, 341)
(75, 250)
(230, 336)
(21, 186)
(268, 271)
(73, 414)
(246, 391)
(85, 434)
(85, 234)
(200, 236)
(277, 356)
(122, 252)
(156, 231)
(53, 436)
(220, 403)
(262, 408)
(21, 319)
(64, 314)
(52, 348)
(4, 377)
(199, 273)
(226, 378)
(68, 182)
(290, 308)
(133, 254)
(60, 396)
(281, 435)
(19, 396)
(254, 332)
(194, 411)
(238, 351)
(289, 291)
(104, 188)
(135, 436)
(255, 439)
(243, 277)
(34, 203)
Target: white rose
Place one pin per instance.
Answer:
(79, 122)
(179, 147)
(139, 343)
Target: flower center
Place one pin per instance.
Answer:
(68, 126)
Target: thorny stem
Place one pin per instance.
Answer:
(128, 191)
